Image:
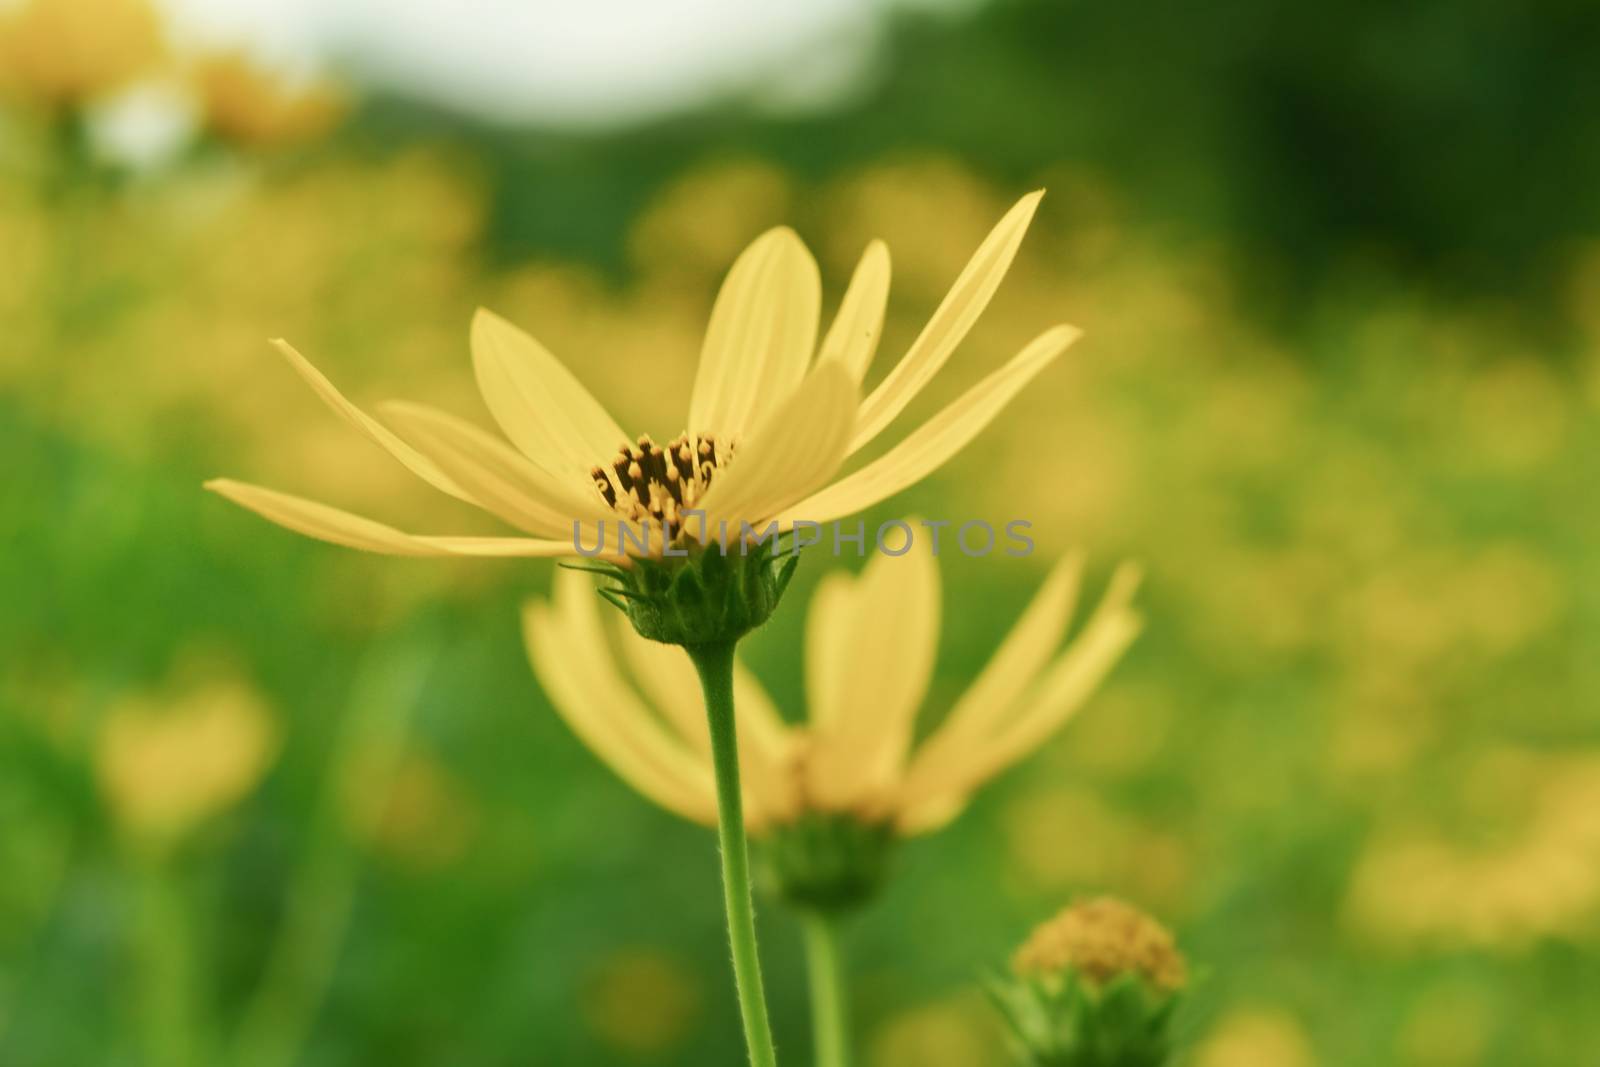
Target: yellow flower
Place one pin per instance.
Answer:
(1097, 984)
(870, 646)
(772, 419)
(65, 52)
(245, 105)
(165, 767)
(1103, 939)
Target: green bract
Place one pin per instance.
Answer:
(707, 596)
(1068, 1020)
(825, 862)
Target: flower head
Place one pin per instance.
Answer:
(1096, 986)
(870, 645)
(167, 766)
(246, 105)
(63, 53)
(772, 418)
(1102, 939)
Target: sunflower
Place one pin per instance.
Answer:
(772, 419)
(869, 656)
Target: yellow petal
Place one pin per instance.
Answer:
(858, 754)
(993, 696)
(950, 323)
(797, 448)
(500, 547)
(499, 477)
(567, 648)
(668, 680)
(830, 624)
(1069, 682)
(853, 337)
(930, 815)
(545, 411)
(1059, 692)
(762, 333)
(342, 528)
(768, 746)
(936, 440)
(413, 461)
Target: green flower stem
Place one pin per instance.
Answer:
(825, 970)
(715, 664)
(321, 894)
(166, 993)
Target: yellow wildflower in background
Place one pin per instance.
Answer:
(167, 766)
(244, 104)
(1256, 1037)
(63, 53)
(408, 806)
(870, 647)
(1413, 886)
(768, 428)
(641, 1002)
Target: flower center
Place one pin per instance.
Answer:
(1102, 939)
(646, 482)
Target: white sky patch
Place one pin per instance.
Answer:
(144, 125)
(601, 62)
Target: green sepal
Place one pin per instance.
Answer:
(829, 863)
(786, 570)
(614, 598)
(707, 595)
(609, 570)
(1067, 1020)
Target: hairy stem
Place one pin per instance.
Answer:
(825, 972)
(715, 664)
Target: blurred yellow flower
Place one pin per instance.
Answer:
(641, 1003)
(1109, 848)
(1256, 1037)
(166, 766)
(409, 807)
(870, 646)
(1412, 886)
(1103, 939)
(957, 1031)
(244, 104)
(768, 424)
(696, 225)
(63, 53)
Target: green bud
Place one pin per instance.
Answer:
(829, 863)
(1094, 987)
(708, 596)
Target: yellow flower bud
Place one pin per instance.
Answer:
(1103, 939)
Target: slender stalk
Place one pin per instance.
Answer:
(165, 995)
(279, 1017)
(825, 972)
(715, 664)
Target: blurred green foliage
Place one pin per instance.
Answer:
(268, 802)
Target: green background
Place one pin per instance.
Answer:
(1339, 272)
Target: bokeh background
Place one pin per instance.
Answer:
(266, 802)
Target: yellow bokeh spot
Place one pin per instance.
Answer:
(166, 765)
(64, 53)
(408, 807)
(641, 1003)
(242, 103)
(955, 1032)
(1256, 1037)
